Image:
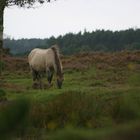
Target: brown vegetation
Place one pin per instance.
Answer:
(81, 61)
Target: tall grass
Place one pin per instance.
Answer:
(86, 110)
(99, 93)
(12, 113)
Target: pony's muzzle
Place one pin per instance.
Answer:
(59, 84)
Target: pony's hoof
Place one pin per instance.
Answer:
(50, 85)
(35, 86)
(46, 86)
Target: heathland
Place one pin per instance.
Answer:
(100, 99)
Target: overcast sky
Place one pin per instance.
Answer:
(64, 16)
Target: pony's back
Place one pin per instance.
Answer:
(39, 59)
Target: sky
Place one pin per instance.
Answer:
(64, 16)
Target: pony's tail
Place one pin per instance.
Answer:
(55, 49)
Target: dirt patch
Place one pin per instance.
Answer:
(43, 86)
(11, 86)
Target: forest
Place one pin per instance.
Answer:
(73, 43)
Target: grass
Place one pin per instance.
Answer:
(125, 132)
(99, 97)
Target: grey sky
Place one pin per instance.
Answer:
(63, 16)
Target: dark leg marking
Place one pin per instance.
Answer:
(36, 77)
(50, 76)
(50, 72)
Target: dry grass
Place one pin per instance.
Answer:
(81, 61)
(94, 95)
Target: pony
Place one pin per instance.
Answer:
(46, 61)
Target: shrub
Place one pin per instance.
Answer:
(127, 107)
(12, 113)
(2, 66)
(134, 80)
(74, 108)
(2, 95)
(86, 110)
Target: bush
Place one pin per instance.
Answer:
(125, 109)
(2, 95)
(70, 108)
(86, 110)
(2, 66)
(12, 113)
(134, 80)
(123, 132)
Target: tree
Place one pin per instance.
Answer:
(20, 3)
(7, 3)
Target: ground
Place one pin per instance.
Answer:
(100, 97)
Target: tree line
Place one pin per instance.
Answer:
(70, 43)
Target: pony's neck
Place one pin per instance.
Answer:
(58, 67)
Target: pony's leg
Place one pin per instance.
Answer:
(39, 80)
(50, 76)
(34, 75)
(35, 80)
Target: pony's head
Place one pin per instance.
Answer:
(58, 66)
(60, 79)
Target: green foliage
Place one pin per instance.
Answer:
(2, 95)
(23, 46)
(133, 46)
(11, 114)
(2, 66)
(73, 107)
(134, 80)
(97, 102)
(123, 132)
(126, 109)
(87, 110)
(99, 40)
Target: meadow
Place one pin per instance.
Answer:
(100, 99)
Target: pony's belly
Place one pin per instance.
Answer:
(38, 68)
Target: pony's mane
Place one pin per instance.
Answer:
(55, 49)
